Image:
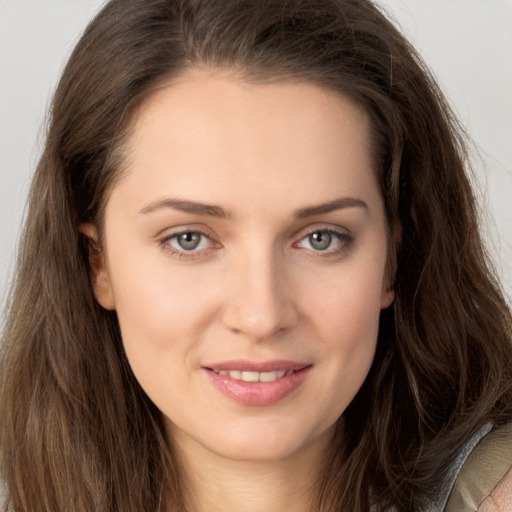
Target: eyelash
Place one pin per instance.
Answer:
(165, 243)
(344, 241)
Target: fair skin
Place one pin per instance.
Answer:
(247, 241)
(500, 499)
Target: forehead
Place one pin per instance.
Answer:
(213, 134)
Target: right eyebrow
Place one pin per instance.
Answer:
(186, 206)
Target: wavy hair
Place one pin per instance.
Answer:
(78, 433)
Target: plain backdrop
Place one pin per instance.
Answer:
(468, 44)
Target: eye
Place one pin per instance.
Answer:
(320, 240)
(188, 241)
(325, 240)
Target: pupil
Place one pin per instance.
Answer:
(320, 240)
(189, 241)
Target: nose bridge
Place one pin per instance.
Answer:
(260, 303)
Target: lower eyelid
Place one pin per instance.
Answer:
(179, 253)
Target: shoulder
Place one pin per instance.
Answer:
(485, 481)
(500, 499)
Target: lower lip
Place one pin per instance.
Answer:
(258, 393)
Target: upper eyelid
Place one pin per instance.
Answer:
(308, 230)
(169, 233)
(176, 231)
(183, 231)
(341, 235)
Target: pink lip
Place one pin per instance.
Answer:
(256, 366)
(257, 393)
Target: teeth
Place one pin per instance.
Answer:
(268, 376)
(255, 376)
(250, 376)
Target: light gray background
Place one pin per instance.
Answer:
(468, 43)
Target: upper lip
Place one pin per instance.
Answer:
(256, 366)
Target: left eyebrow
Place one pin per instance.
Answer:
(336, 204)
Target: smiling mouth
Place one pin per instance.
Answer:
(257, 384)
(248, 376)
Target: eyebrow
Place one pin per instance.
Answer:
(331, 206)
(193, 207)
(211, 210)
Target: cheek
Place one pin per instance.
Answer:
(349, 306)
(352, 332)
(162, 312)
(346, 317)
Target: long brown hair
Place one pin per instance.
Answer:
(79, 434)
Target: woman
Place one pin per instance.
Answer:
(251, 276)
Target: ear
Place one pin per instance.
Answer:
(388, 293)
(98, 271)
(388, 283)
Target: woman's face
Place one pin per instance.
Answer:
(246, 257)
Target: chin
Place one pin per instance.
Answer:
(265, 444)
(262, 451)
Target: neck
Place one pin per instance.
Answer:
(216, 484)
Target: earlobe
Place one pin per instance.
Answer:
(388, 295)
(98, 271)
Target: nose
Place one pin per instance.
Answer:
(261, 303)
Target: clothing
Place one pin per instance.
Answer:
(485, 467)
(481, 465)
